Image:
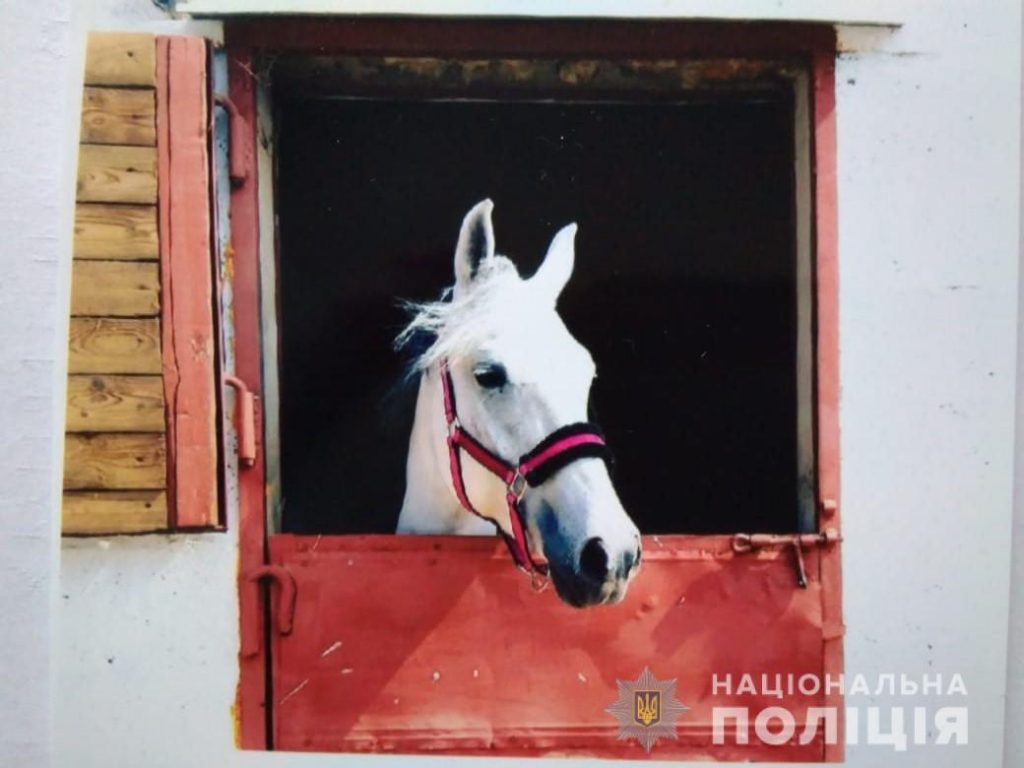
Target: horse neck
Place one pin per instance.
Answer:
(430, 504)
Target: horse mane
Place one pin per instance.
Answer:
(452, 325)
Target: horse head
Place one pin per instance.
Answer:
(519, 378)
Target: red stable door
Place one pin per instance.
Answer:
(427, 644)
(439, 645)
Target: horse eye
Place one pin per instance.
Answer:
(491, 376)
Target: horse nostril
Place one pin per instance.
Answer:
(594, 560)
(630, 562)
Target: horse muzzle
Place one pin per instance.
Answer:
(598, 574)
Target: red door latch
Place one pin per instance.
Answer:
(750, 542)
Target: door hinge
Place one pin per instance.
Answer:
(238, 156)
(245, 420)
(282, 611)
(797, 542)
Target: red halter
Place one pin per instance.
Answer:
(562, 447)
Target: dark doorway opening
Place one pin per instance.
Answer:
(685, 289)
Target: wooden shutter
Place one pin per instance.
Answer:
(141, 443)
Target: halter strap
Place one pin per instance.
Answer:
(556, 451)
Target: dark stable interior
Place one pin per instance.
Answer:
(683, 291)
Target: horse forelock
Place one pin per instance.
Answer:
(454, 324)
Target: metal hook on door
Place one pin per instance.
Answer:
(283, 611)
(237, 160)
(245, 420)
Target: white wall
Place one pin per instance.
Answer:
(38, 137)
(928, 157)
(1014, 751)
(929, 154)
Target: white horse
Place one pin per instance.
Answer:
(517, 375)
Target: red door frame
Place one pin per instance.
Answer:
(826, 297)
(812, 43)
(250, 707)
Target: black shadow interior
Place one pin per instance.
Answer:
(684, 289)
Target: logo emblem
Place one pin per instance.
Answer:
(647, 709)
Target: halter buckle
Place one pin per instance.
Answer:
(517, 486)
(454, 427)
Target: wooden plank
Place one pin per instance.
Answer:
(529, 38)
(126, 232)
(116, 174)
(114, 460)
(114, 345)
(163, 155)
(118, 116)
(98, 512)
(186, 275)
(115, 404)
(116, 58)
(115, 289)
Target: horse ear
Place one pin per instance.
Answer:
(476, 244)
(556, 269)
